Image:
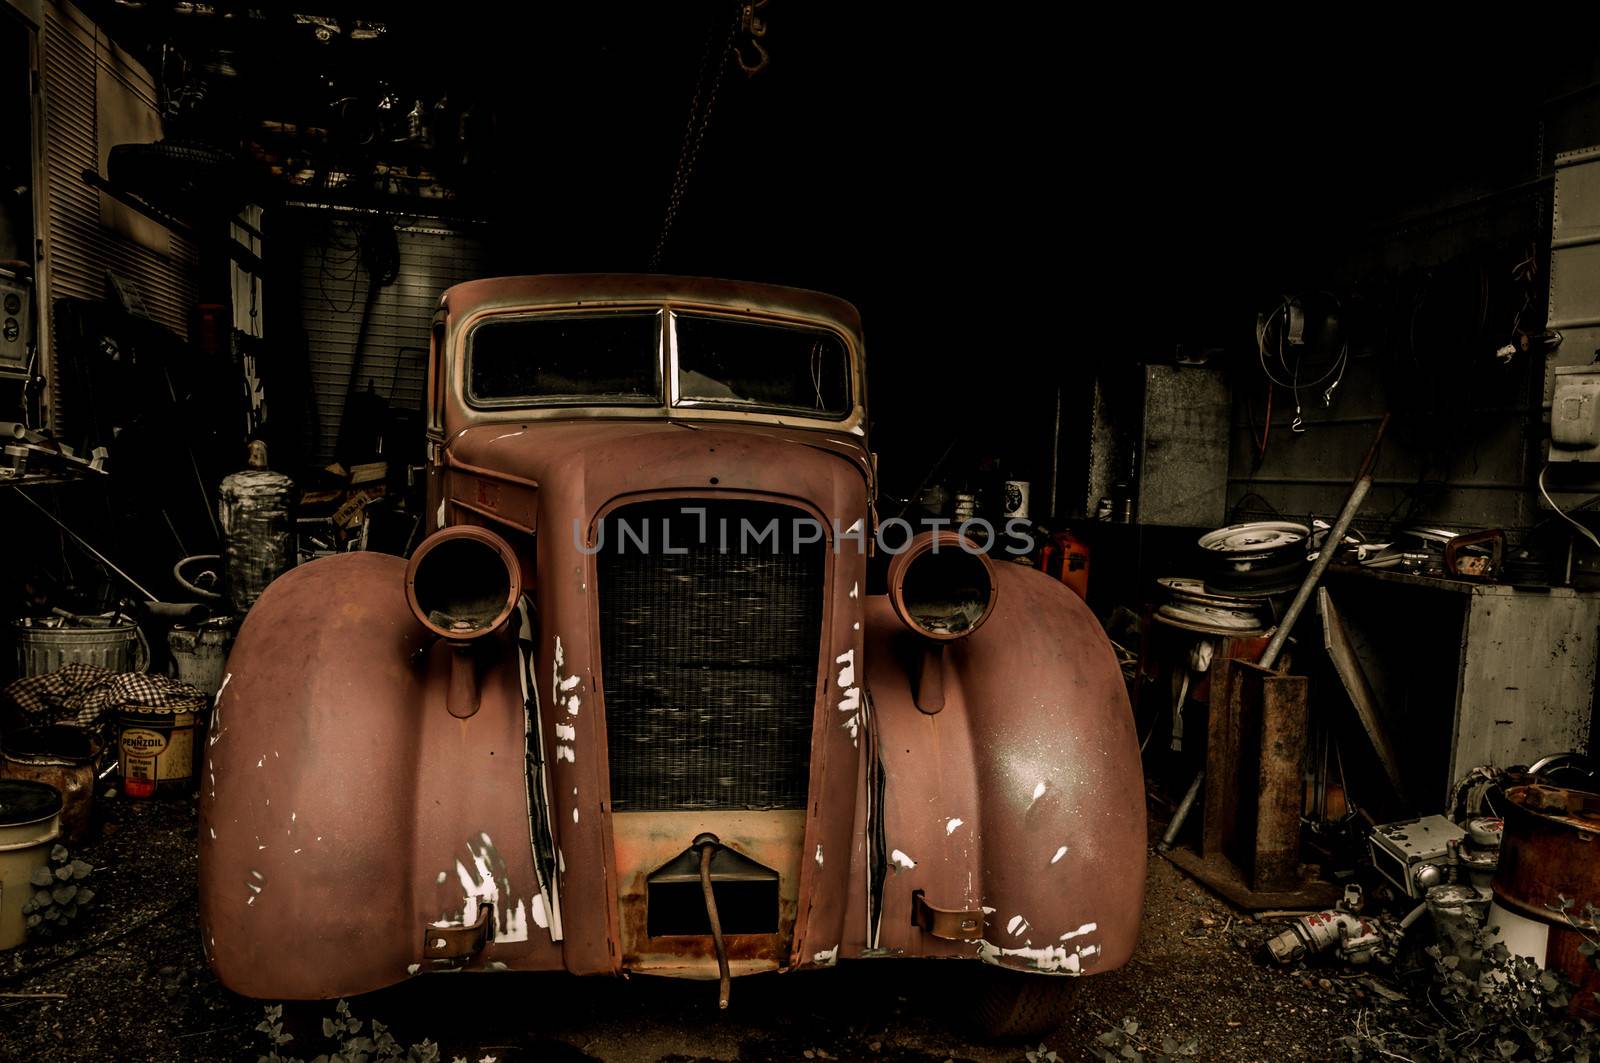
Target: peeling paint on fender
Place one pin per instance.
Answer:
(902, 860)
(950, 827)
(483, 883)
(827, 957)
(1054, 959)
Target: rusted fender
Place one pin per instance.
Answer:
(1023, 797)
(343, 811)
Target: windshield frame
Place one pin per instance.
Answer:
(677, 401)
(668, 404)
(642, 401)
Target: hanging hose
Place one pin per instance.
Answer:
(708, 846)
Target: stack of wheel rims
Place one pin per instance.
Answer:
(1190, 605)
(1260, 560)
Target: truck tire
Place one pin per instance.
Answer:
(1012, 1006)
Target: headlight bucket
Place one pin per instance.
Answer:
(941, 586)
(463, 583)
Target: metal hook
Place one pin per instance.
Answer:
(752, 69)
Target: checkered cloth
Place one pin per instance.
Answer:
(83, 695)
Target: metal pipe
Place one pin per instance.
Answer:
(707, 848)
(97, 555)
(1330, 546)
(1184, 808)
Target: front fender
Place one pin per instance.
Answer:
(343, 810)
(1023, 796)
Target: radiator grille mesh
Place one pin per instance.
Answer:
(709, 657)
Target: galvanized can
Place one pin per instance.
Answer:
(60, 756)
(200, 654)
(114, 645)
(30, 819)
(156, 748)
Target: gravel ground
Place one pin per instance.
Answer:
(137, 989)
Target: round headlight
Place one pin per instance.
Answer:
(942, 586)
(463, 582)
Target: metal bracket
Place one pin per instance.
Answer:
(952, 924)
(459, 942)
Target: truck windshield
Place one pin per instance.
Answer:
(567, 359)
(726, 362)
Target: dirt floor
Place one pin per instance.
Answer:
(136, 988)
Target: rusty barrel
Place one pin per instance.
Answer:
(30, 819)
(60, 756)
(1551, 850)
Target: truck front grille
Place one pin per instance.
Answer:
(709, 654)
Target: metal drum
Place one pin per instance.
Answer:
(60, 756)
(1549, 851)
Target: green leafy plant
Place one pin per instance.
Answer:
(1495, 1007)
(60, 892)
(1122, 1044)
(376, 1045)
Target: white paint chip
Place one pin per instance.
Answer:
(1086, 928)
(574, 815)
(902, 860)
(1059, 854)
(1038, 791)
(819, 854)
(950, 827)
(442, 876)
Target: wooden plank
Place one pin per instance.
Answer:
(1345, 662)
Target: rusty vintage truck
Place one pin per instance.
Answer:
(632, 706)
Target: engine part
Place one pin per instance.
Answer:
(1414, 853)
(1357, 939)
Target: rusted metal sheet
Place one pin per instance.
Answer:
(1280, 795)
(647, 840)
(1023, 798)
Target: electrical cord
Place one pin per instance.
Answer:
(1334, 372)
(1584, 531)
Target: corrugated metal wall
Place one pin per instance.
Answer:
(79, 248)
(333, 291)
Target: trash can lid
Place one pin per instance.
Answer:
(25, 801)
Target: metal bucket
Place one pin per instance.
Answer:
(30, 819)
(199, 655)
(156, 748)
(59, 756)
(116, 647)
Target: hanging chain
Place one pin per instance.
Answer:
(695, 130)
